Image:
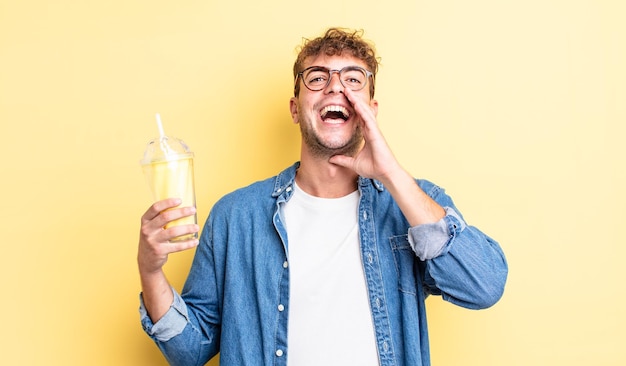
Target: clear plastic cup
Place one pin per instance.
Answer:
(168, 168)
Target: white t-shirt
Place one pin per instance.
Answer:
(330, 321)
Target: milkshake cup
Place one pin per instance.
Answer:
(168, 168)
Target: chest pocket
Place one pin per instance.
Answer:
(406, 263)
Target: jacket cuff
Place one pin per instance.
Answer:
(430, 240)
(170, 325)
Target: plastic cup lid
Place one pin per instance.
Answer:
(165, 148)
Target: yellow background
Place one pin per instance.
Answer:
(517, 108)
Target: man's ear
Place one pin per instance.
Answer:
(374, 106)
(293, 108)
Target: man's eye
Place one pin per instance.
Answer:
(317, 79)
(354, 78)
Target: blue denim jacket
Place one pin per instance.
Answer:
(236, 298)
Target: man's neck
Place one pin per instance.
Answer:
(320, 178)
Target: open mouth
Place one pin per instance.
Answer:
(334, 114)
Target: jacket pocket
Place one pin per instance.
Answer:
(406, 263)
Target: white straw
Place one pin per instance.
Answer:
(160, 125)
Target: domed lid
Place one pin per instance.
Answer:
(165, 148)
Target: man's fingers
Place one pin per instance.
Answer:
(156, 226)
(153, 225)
(165, 211)
(174, 214)
(158, 207)
(179, 246)
(342, 160)
(170, 234)
(362, 108)
(155, 244)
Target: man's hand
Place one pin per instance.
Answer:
(154, 248)
(154, 239)
(375, 160)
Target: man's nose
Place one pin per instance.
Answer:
(334, 83)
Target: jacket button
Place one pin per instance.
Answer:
(281, 307)
(279, 353)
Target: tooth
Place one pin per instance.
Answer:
(335, 108)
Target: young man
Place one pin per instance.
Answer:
(330, 261)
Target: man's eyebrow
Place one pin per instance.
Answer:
(315, 67)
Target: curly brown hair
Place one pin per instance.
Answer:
(335, 42)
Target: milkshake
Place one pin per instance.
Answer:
(168, 169)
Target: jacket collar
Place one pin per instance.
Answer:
(285, 179)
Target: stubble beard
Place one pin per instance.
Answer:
(324, 149)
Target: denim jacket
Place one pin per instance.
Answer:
(236, 298)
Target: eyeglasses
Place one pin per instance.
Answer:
(316, 78)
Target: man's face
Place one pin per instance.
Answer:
(328, 123)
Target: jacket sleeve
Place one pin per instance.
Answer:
(187, 334)
(178, 339)
(460, 263)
